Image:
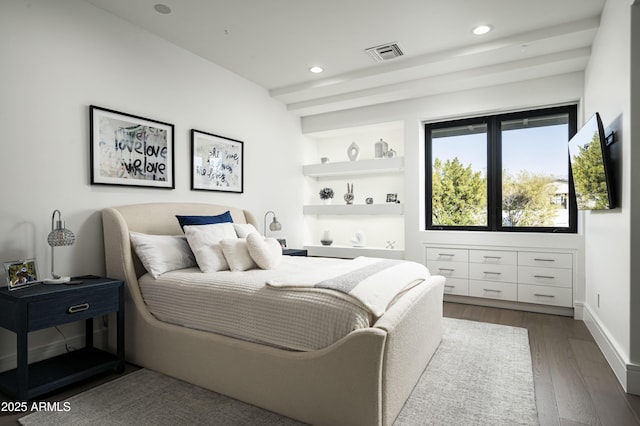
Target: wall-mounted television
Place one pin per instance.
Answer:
(590, 167)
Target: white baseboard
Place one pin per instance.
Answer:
(628, 374)
(38, 353)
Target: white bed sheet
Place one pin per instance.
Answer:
(240, 305)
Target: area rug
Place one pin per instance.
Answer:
(480, 375)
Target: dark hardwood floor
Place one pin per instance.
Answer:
(574, 384)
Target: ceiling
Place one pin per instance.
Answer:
(274, 43)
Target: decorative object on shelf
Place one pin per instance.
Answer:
(391, 153)
(217, 163)
(21, 273)
(359, 240)
(274, 225)
(326, 239)
(324, 160)
(390, 244)
(130, 150)
(381, 149)
(392, 198)
(353, 151)
(58, 237)
(348, 197)
(326, 194)
(368, 200)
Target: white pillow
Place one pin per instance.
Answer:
(162, 253)
(244, 229)
(237, 255)
(204, 242)
(266, 252)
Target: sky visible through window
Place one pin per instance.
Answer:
(540, 150)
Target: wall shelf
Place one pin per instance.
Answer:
(348, 252)
(355, 209)
(359, 167)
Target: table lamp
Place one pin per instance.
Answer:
(59, 236)
(273, 226)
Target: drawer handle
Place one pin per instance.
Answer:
(78, 308)
(492, 257)
(492, 290)
(543, 260)
(492, 273)
(549, 277)
(446, 254)
(543, 295)
(445, 270)
(449, 286)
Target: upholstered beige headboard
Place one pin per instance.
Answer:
(153, 218)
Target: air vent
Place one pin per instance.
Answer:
(384, 52)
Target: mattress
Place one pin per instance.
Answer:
(240, 305)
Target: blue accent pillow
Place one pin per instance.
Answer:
(204, 220)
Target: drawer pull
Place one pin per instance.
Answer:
(449, 286)
(493, 257)
(543, 295)
(491, 273)
(445, 270)
(543, 260)
(549, 277)
(492, 290)
(78, 308)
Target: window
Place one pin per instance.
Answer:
(506, 172)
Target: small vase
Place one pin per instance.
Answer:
(326, 240)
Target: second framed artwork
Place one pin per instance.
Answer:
(217, 163)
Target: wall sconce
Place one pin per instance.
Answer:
(59, 236)
(273, 226)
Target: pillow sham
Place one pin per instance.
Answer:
(162, 253)
(204, 220)
(244, 229)
(204, 242)
(266, 252)
(237, 255)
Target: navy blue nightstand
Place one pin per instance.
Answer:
(294, 252)
(47, 305)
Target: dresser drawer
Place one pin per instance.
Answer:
(456, 286)
(493, 290)
(545, 260)
(557, 296)
(545, 276)
(74, 306)
(487, 272)
(448, 269)
(493, 257)
(447, 254)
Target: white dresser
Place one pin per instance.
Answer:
(511, 275)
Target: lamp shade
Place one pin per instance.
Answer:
(61, 237)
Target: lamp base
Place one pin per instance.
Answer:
(58, 280)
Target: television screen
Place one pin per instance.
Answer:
(590, 167)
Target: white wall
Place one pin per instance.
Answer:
(59, 57)
(609, 236)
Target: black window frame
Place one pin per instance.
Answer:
(494, 171)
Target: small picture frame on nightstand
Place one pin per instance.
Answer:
(283, 242)
(21, 273)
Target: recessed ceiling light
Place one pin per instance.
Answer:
(482, 29)
(316, 69)
(162, 8)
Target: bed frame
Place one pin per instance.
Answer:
(362, 379)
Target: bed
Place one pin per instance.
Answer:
(364, 378)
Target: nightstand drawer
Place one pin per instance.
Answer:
(449, 269)
(74, 306)
(447, 255)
